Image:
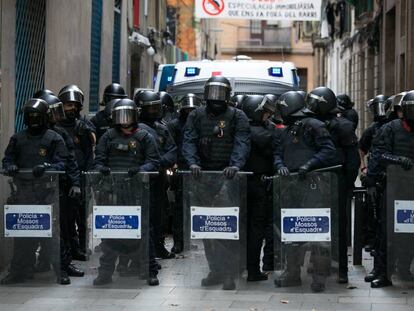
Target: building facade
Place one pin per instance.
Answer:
(364, 48)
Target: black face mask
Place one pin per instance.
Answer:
(216, 107)
(71, 114)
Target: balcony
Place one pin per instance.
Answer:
(266, 39)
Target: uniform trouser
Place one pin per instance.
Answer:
(132, 249)
(370, 222)
(178, 224)
(73, 211)
(269, 247)
(257, 211)
(223, 257)
(65, 238)
(158, 203)
(380, 259)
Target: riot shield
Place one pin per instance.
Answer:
(305, 229)
(117, 207)
(30, 229)
(400, 224)
(214, 230)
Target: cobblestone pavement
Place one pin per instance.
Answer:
(180, 290)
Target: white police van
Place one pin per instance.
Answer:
(247, 76)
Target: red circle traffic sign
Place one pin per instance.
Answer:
(213, 7)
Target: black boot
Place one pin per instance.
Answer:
(161, 252)
(102, 280)
(321, 269)
(256, 276)
(212, 279)
(289, 278)
(153, 281)
(371, 276)
(74, 271)
(12, 278)
(77, 254)
(229, 284)
(381, 281)
(63, 278)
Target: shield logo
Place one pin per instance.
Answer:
(132, 144)
(222, 124)
(42, 152)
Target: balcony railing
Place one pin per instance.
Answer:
(268, 37)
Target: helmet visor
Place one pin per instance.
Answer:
(408, 110)
(72, 96)
(266, 105)
(312, 102)
(190, 102)
(378, 109)
(124, 115)
(56, 112)
(217, 91)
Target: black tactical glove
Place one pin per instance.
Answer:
(74, 192)
(11, 170)
(195, 170)
(132, 171)
(230, 171)
(283, 171)
(405, 163)
(39, 170)
(303, 170)
(104, 170)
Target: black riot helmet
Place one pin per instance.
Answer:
(290, 106)
(149, 103)
(40, 93)
(55, 112)
(217, 88)
(217, 94)
(344, 101)
(72, 93)
(407, 106)
(396, 102)
(124, 113)
(35, 114)
(237, 100)
(321, 101)
(112, 91)
(379, 107)
(167, 102)
(190, 101)
(255, 106)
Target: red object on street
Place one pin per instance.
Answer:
(136, 13)
(216, 73)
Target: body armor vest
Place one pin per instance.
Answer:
(125, 152)
(298, 144)
(216, 138)
(403, 143)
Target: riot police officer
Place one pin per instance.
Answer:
(82, 133)
(125, 147)
(168, 107)
(378, 106)
(102, 120)
(346, 143)
(349, 112)
(151, 113)
(69, 186)
(304, 145)
(217, 137)
(258, 109)
(176, 126)
(39, 149)
(394, 145)
(237, 100)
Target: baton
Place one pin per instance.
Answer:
(214, 172)
(323, 169)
